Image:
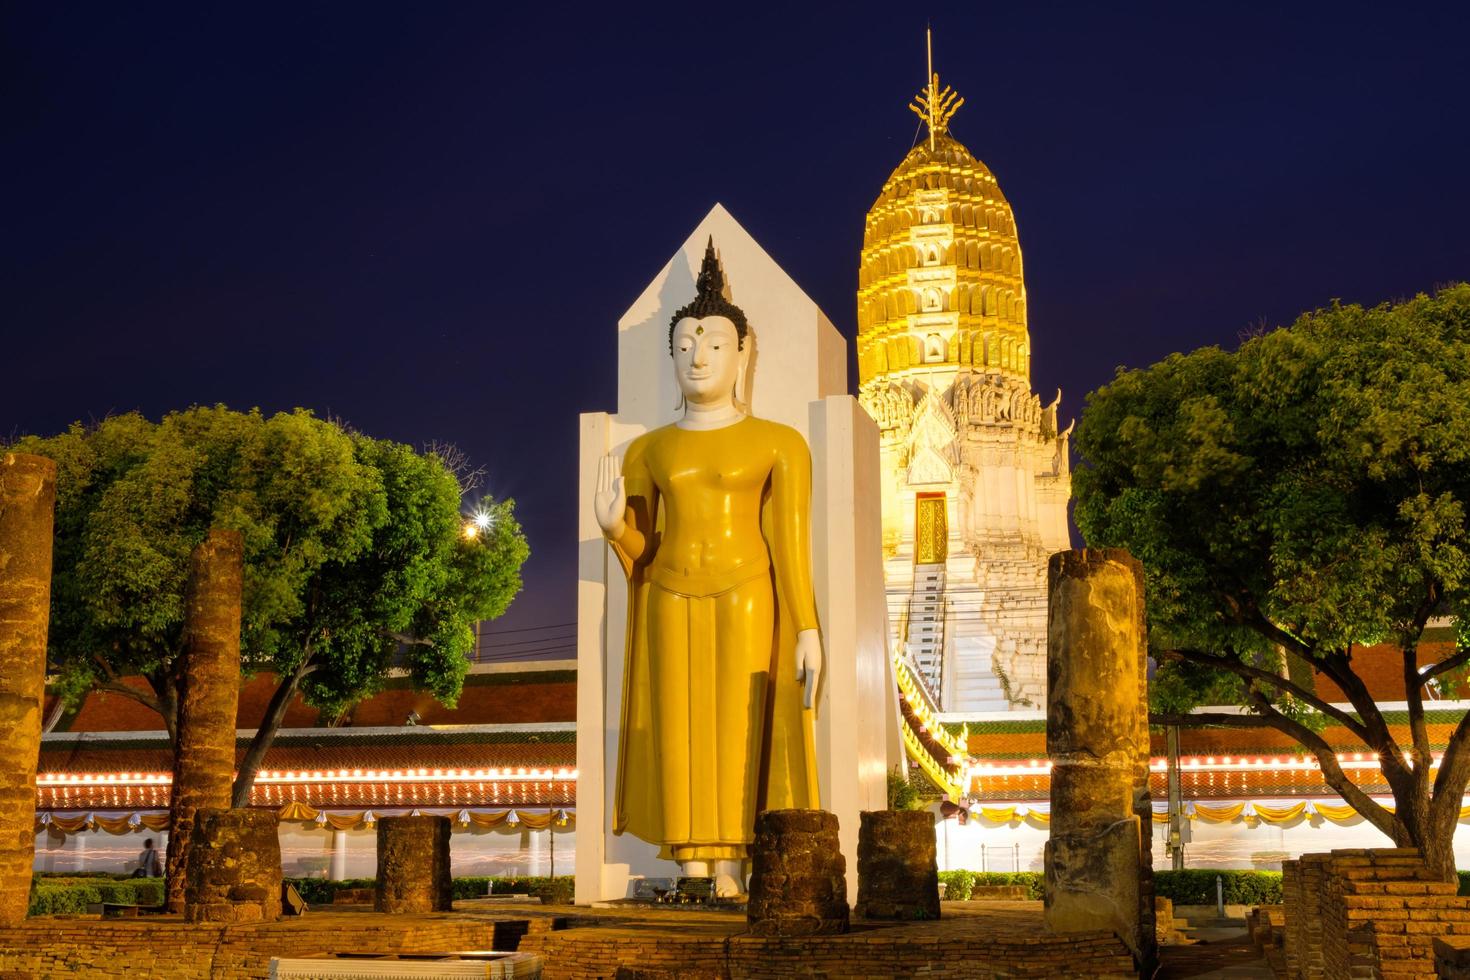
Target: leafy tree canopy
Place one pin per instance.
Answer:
(1299, 497)
(354, 554)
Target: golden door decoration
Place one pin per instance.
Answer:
(931, 531)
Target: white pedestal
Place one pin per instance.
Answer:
(798, 376)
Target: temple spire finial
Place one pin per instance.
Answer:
(935, 106)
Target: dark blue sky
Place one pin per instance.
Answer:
(428, 222)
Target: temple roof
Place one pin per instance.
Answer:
(452, 765)
(949, 158)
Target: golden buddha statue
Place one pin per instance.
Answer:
(709, 518)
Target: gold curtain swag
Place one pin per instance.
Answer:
(1250, 812)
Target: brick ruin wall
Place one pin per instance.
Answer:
(581, 954)
(92, 949)
(1369, 913)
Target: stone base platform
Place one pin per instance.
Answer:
(973, 939)
(164, 947)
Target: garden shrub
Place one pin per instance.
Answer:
(1030, 880)
(320, 891)
(1193, 887)
(1197, 886)
(1464, 882)
(72, 895)
(958, 885)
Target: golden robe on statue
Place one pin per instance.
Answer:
(717, 554)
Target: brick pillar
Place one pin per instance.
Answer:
(209, 691)
(1381, 911)
(234, 869)
(27, 513)
(898, 874)
(413, 865)
(1291, 928)
(1306, 933)
(1099, 865)
(798, 885)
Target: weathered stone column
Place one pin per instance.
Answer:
(209, 692)
(898, 869)
(799, 882)
(413, 865)
(1099, 863)
(27, 516)
(234, 868)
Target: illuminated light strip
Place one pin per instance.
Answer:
(274, 777)
(1357, 761)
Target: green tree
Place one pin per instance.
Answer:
(356, 559)
(1293, 501)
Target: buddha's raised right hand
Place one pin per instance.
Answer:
(610, 503)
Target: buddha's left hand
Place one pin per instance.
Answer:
(809, 662)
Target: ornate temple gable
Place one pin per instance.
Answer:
(931, 444)
(979, 399)
(891, 406)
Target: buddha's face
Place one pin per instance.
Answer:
(706, 359)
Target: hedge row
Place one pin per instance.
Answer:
(552, 891)
(71, 896)
(961, 883)
(1182, 887)
(1197, 887)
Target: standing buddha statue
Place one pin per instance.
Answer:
(709, 518)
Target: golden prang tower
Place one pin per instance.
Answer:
(975, 472)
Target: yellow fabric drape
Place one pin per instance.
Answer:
(115, 825)
(1280, 814)
(1006, 814)
(488, 819)
(1219, 814)
(70, 825)
(1337, 814)
(296, 810)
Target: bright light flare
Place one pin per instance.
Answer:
(481, 520)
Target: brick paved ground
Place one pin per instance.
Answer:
(1237, 959)
(973, 939)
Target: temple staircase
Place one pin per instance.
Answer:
(977, 687)
(926, 627)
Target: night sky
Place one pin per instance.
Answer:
(427, 222)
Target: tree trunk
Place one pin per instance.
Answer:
(266, 733)
(27, 515)
(204, 757)
(165, 684)
(1440, 855)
